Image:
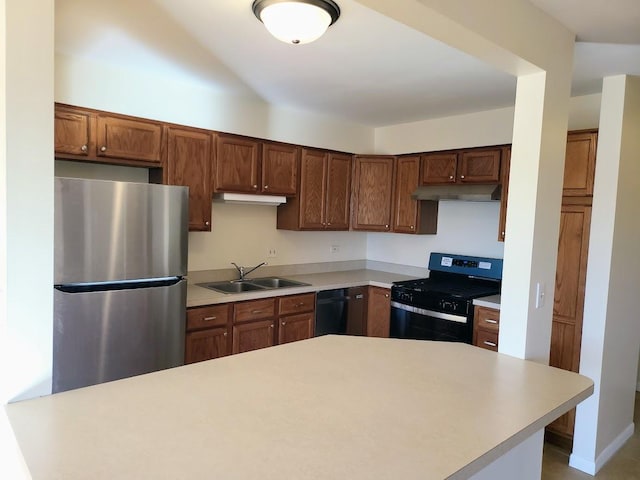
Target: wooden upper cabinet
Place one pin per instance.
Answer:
(479, 166)
(236, 164)
(338, 191)
(579, 164)
(409, 215)
(324, 194)
(280, 168)
(439, 168)
(504, 192)
(73, 131)
(189, 153)
(128, 138)
(372, 193)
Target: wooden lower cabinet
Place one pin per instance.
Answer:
(295, 327)
(253, 335)
(206, 344)
(486, 324)
(208, 333)
(378, 312)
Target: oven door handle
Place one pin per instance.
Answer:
(429, 313)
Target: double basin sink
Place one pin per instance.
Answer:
(252, 285)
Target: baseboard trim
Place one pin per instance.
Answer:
(592, 467)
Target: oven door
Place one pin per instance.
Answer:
(420, 324)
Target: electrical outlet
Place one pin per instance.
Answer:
(271, 253)
(335, 248)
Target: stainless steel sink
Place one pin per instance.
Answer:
(255, 284)
(231, 287)
(276, 282)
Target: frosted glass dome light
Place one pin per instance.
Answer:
(296, 21)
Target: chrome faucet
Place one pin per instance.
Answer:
(242, 272)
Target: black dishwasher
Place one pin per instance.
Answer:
(340, 311)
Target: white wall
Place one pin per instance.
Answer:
(86, 83)
(611, 327)
(244, 234)
(26, 211)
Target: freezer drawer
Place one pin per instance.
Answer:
(101, 336)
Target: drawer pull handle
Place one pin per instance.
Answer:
(488, 320)
(208, 319)
(256, 311)
(301, 304)
(490, 344)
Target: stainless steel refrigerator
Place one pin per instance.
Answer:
(120, 254)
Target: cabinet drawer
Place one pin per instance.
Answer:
(254, 310)
(297, 303)
(487, 318)
(206, 317)
(487, 339)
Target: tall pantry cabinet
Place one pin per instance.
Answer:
(571, 269)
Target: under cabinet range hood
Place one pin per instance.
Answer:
(469, 193)
(249, 199)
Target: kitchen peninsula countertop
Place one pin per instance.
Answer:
(326, 408)
(198, 296)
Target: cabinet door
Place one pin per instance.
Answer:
(253, 335)
(206, 344)
(568, 305)
(338, 192)
(236, 164)
(295, 327)
(280, 169)
(378, 312)
(579, 164)
(357, 311)
(129, 138)
(73, 132)
(405, 209)
(439, 168)
(372, 193)
(312, 189)
(189, 164)
(479, 166)
(504, 195)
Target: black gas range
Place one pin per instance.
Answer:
(441, 307)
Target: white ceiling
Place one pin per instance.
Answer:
(367, 69)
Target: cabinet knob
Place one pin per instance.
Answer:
(225, 334)
(329, 223)
(103, 148)
(84, 148)
(272, 326)
(386, 226)
(411, 227)
(450, 177)
(255, 187)
(206, 223)
(386, 295)
(323, 223)
(461, 176)
(284, 323)
(266, 187)
(502, 234)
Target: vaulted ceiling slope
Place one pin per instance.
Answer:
(368, 69)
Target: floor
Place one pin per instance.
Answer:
(625, 465)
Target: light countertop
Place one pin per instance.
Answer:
(197, 296)
(492, 301)
(325, 408)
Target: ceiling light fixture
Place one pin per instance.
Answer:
(296, 21)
